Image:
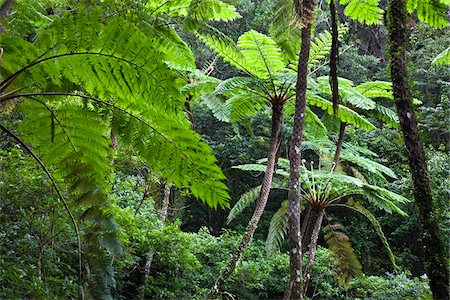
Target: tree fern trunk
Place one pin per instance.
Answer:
(433, 254)
(277, 117)
(294, 287)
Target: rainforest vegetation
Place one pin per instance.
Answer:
(224, 149)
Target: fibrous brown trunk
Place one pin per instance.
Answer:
(294, 288)
(433, 254)
(277, 117)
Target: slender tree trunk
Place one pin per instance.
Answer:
(162, 218)
(277, 117)
(312, 245)
(294, 287)
(339, 144)
(433, 254)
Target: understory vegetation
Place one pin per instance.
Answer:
(224, 149)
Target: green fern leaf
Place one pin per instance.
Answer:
(244, 201)
(277, 229)
(442, 58)
(261, 53)
(364, 11)
(345, 114)
(431, 12)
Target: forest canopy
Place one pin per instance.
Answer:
(224, 149)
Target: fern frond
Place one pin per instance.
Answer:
(261, 53)
(341, 248)
(244, 201)
(364, 11)
(442, 58)
(345, 114)
(320, 47)
(277, 229)
(224, 47)
(217, 106)
(431, 12)
(371, 166)
(211, 10)
(244, 105)
(359, 208)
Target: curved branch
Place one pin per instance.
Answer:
(60, 196)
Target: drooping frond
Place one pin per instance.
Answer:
(442, 58)
(359, 208)
(371, 166)
(375, 89)
(107, 61)
(339, 244)
(217, 106)
(244, 201)
(364, 11)
(385, 199)
(225, 47)
(285, 28)
(261, 53)
(277, 229)
(345, 114)
(431, 12)
(169, 141)
(177, 53)
(244, 105)
(347, 92)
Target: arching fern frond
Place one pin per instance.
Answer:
(359, 208)
(225, 47)
(277, 229)
(345, 114)
(339, 244)
(244, 201)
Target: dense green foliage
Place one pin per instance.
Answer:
(107, 105)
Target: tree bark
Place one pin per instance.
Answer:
(339, 144)
(433, 254)
(277, 117)
(334, 54)
(319, 212)
(294, 288)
